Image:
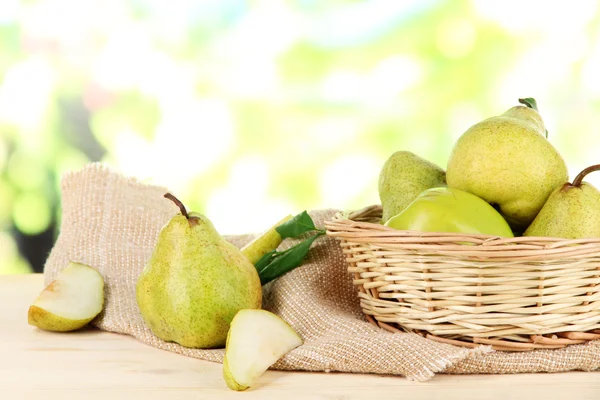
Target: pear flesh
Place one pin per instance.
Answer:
(402, 178)
(572, 211)
(256, 340)
(69, 302)
(507, 161)
(195, 282)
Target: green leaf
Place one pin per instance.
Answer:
(274, 264)
(265, 260)
(296, 226)
(529, 102)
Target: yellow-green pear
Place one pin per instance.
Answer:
(403, 177)
(69, 302)
(264, 243)
(195, 282)
(446, 209)
(508, 161)
(572, 211)
(256, 340)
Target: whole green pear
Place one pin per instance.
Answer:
(508, 161)
(264, 243)
(195, 282)
(403, 177)
(572, 211)
(444, 209)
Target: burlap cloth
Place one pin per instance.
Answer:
(111, 222)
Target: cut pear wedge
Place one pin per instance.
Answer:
(70, 302)
(256, 340)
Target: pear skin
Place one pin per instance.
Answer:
(507, 161)
(572, 211)
(264, 243)
(48, 321)
(527, 114)
(403, 177)
(229, 379)
(445, 209)
(227, 376)
(195, 282)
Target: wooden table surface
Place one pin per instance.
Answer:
(99, 365)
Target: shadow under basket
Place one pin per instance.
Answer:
(515, 294)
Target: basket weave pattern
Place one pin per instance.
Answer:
(515, 294)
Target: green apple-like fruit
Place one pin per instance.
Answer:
(508, 161)
(402, 178)
(572, 211)
(451, 210)
(256, 340)
(69, 302)
(195, 282)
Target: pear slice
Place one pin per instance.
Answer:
(70, 302)
(256, 340)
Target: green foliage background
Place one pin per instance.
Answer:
(250, 110)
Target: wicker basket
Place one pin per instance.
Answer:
(515, 294)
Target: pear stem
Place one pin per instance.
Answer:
(579, 178)
(178, 203)
(529, 102)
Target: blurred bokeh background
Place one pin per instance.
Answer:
(249, 110)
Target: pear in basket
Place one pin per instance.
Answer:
(508, 161)
(572, 211)
(403, 177)
(451, 210)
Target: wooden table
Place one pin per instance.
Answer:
(99, 365)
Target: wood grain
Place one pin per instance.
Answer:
(98, 365)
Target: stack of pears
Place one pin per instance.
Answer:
(503, 178)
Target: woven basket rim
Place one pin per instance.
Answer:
(361, 226)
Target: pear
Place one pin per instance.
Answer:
(195, 282)
(508, 161)
(403, 177)
(572, 211)
(446, 209)
(69, 302)
(264, 243)
(256, 340)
